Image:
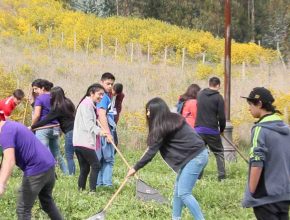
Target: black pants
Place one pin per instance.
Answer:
(214, 143)
(273, 211)
(32, 186)
(88, 161)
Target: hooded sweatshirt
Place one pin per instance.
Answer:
(271, 151)
(210, 110)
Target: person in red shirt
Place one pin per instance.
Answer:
(189, 109)
(8, 104)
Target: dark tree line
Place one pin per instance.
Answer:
(261, 21)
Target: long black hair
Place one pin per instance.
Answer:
(92, 90)
(191, 93)
(161, 121)
(59, 102)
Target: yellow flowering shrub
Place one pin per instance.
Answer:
(36, 21)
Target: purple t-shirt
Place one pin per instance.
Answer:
(32, 157)
(43, 100)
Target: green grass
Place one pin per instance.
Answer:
(218, 200)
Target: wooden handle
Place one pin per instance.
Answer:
(116, 193)
(46, 126)
(236, 148)
(119, 152)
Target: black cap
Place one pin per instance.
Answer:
(260, 93)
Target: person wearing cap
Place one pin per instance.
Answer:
(268, 185)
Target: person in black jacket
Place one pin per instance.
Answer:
(63, 110)
(211, 122)
(181, 148)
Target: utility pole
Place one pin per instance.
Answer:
(230, 154)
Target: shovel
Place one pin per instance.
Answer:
(236, 148)
(144, 192)
(102, 214)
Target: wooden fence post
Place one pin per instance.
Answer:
(203, 57)
(102, 46)
(165, 56)
(75, 42)
(132, 51)
(183, 58)
(148, 52)
(116, 47)
(87, 46)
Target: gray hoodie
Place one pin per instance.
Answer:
(271, 151)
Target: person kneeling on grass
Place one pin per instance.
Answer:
(181, 148)
(22, 148)
(268, 186)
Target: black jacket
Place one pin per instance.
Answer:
(176, 149)
(66, 121)
(210, 110)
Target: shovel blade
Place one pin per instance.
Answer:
(98, 216)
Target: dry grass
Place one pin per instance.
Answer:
(141, 80)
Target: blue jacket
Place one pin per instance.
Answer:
(271, 151)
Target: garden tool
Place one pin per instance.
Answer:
(102, 214)
(144, 192)
(236, 148)
(46, 126)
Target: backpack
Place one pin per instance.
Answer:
(179, 106)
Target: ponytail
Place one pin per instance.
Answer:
(91, 90)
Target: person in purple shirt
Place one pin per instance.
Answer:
(48, 136)
(22, 148)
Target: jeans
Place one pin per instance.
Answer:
(88, 161)
(69, 152)
(106, 156)
(214, 143)
(40, 185)
(273, 211)
(50, 138)
(185, 181)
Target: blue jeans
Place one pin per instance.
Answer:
(50, 138)
(106, 157)
(69, 152)
(185, 181)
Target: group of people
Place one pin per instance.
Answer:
(181, 139)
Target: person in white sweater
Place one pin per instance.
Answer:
(85, 136)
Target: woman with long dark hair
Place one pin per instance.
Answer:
(85, 135)
(189, 109)
(48, 136)
(181, 148)
(63, 110)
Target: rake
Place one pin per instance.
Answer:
(102, 214)
(144, 192)
(236, 148)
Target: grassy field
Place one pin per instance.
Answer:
(218, 200)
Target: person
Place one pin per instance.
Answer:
(48, 136)
(117, 99)
(106, 118)
(8, 104)
(268, 185)
(22, 148)
(85, 136)
(210, 122)
(189, 109)
(181, 148)
(63, 110)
